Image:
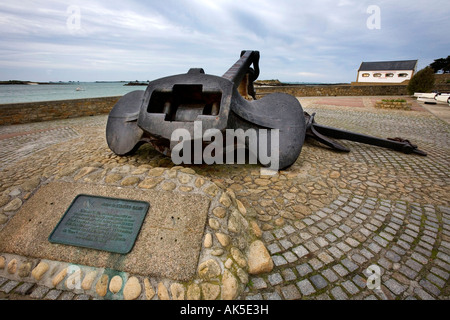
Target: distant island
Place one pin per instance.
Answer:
(26, 82)
(275, 82)
(137, 83)
(120, 81)
(29, 82)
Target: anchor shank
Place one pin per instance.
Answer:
(405, 147)
(238, 71)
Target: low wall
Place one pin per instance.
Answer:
(442, 88)
(342, 90)
(393, 104)
(18, 113)
(334, 90)
(442, 78)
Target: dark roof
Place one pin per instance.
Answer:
(388, 65)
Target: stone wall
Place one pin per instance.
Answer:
(18, 113)
(443, 88)
(342, 90)
(442, 78)
(335, 90)
(393, 104)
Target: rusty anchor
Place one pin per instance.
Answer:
(182, 101)
(323, 133)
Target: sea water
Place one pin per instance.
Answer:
(66, 91)
(78, 90)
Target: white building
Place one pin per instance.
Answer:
(386, 71)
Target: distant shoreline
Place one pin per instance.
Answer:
(30, 82)
(258, 83)
(22, 82)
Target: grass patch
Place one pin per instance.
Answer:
(434, 253)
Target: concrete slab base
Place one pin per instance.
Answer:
(168, 244)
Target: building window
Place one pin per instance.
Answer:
(377, 75)
(366, 75)
(402, 75)
(389, 75)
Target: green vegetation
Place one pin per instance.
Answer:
(442, 64)
(422, 81)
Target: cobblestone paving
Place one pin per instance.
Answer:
(20, 146)
(326, 221)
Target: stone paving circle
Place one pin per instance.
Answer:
(370, 224)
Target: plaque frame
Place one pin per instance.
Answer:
(130, 211)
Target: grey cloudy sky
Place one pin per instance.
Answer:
(310, 41)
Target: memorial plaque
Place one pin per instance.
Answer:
(168, 244)
(101, 223)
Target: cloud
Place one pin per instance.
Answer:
(299, 40)
(311, 75)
